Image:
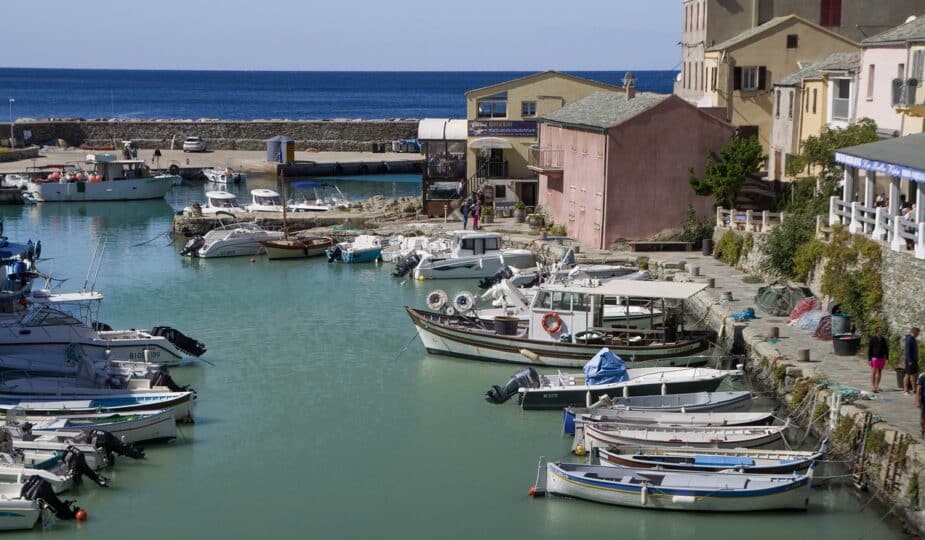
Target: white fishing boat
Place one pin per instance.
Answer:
(472, 255)
(222, 176)
(231, 240)
(679, 490)
(264, 200)
(179, 403)
(659, 418)
(142, 426)
(605, 435)
(220, 202)
(308, 196)
(109, 179)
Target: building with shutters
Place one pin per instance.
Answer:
(616, 166)
(706, 23)
(741, 70)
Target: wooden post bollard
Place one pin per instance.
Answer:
(711, 283)
(774, 332)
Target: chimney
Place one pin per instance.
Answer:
(629, 85)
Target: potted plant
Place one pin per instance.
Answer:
(520, 211)
(536, 221)
(488, 214)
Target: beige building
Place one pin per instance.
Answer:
(741, 70)
(503, 129)
(809, 101)
(705, 23)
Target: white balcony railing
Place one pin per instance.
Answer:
(747, 220)
(877, 223)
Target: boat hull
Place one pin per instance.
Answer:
(118, 190)
(448, 341)
(282, 249)
(602, 437)
(48, 356)
(474, 267)
(558, 398)
(19, 514)
(157, 426)
(181, 404)
(789, 495)
(648, 462)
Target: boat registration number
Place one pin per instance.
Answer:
(140, 356)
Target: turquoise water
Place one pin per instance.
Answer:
(312, 425)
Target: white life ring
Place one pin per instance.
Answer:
(437, 299)
(464, 301)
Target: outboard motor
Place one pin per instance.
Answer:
(406, 265)
(525, 378)
(162, 378)
(39, 489)
(78, 467)
(112, 445)
(504, 272)
(335, 254)
(183, 342)
(192, 247)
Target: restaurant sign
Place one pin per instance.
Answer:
(501, 128)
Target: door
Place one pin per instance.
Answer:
(528, 193)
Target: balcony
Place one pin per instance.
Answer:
(491, 169)
(546, 160)
(909, 97)
(445, 168)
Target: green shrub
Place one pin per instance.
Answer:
(779, 373)
(844, 431)
(751, 279)
(729, 248)
(785, 240)
(875, 441)
(852, 277)
(806, 258)
(820, 411)
(694, 229)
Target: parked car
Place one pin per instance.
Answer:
(194, 144)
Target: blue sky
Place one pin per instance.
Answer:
(343, 34)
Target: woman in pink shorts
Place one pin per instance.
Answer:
(878, 350)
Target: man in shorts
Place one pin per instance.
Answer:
(911, 360)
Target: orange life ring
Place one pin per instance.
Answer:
(551, 322)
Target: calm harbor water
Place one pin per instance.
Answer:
(312, 425)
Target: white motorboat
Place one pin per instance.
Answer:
(231, 240)
(142, 426)
(472, 255)
(220, 202)
(265, 200)
(363, 249)
(222, 176)
(311, 196)
(109, 180)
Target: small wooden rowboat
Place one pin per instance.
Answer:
(679, 490)
(297, 248)
(606, 435)
(658, 418)
(739, 459)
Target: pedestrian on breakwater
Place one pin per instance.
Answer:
(476, 214)
(878, 350)
(465, 208)
(911, 360)
(156, 160)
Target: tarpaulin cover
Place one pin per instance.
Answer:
(605, 368)
(810, 320)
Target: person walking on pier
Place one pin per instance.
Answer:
(911, 360)
(156, 160)
(464, 209)
(476, 214)
(878, 350)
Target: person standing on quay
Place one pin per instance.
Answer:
(911, 360)
(476, 214)
(156, 160)
(464, 209)
(878, 350)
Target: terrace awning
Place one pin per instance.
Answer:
(903, 157)
(442, 129)
(485, 143)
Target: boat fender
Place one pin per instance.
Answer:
(464, 301)
(551, 323)
(525, 378)
(580, 450)
(174, 169)
(437, 299)
(644, 494)
(684, 499)
(527, 353)
(39, 489)
(450, 311)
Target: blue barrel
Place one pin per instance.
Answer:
(841, 324)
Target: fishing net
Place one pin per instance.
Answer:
(780, 299)
(803, 306)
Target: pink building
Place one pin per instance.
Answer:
(614, 166)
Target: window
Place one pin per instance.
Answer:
(777, 104)
(491, 244)
(815, 98)
(685, 75)
(793, 41)
(750, 78)
(830, 13)
(790, 105)
(806, 99)
(713, 80)
(918, 64)
(697, 26)
(491, 109)
(900, 71)
(841, 99)
(870, 82)
(527, 108)
(500, 192)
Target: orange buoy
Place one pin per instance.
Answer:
(81, 515)
(532, 491)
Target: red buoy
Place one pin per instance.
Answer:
(81, 515)
(532, 491)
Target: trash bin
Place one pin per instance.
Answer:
(841, 324)
(707, 246)
(396, 146)
(846, 344)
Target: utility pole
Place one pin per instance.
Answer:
(12, 138)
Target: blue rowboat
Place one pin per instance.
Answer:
(680, 490)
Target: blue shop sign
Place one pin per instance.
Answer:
(501, 128)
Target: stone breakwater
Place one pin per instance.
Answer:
(335, 135)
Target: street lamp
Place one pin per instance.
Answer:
(12, 138)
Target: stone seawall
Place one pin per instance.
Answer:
(319, 135)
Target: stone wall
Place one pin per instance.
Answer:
(219, 134)
(903, 290)
(19, 154)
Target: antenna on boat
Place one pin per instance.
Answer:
(96, 260)
(282, 189)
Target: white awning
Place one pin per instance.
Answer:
(440, 129)
(489, 142)
(635, 289)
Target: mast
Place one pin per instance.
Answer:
(282, 182)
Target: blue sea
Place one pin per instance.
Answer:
(250, 95)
